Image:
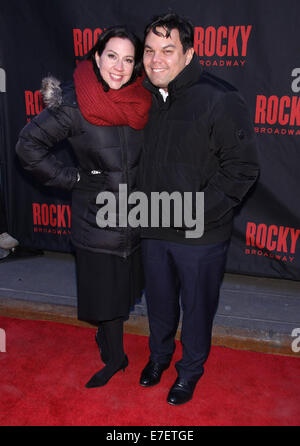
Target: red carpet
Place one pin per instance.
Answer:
(46, 365)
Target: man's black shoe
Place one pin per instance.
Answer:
(152, 373)
(181, 392)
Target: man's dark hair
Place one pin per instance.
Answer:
(171, 21)
(123, 33)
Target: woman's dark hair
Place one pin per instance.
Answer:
(123, 33)
(171, 21)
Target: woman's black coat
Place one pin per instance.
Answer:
(107, 157)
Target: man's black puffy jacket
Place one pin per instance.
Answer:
(107, 157)
(200, 139)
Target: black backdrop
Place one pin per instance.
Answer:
(253, 44)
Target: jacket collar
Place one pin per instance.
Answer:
(186, 78)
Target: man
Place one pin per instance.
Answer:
(199, 138)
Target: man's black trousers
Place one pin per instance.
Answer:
(191, 275)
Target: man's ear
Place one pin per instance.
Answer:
(189, 55)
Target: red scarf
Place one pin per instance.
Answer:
(128, 106)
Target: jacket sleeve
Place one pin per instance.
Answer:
(35, 144)
(234, 141)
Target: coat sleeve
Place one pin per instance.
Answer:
(234, 141)
(35, 144)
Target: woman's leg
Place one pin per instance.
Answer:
(117, 360)
(102, 343)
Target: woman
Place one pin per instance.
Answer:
(102, 113)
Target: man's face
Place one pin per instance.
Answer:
(164, 58)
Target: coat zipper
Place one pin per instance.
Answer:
(124, 159)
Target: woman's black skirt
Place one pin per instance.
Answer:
(107, 285)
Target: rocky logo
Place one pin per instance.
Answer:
(33, 103)
(273, 241)
(51, 218)
(225, 46)
(279, 115)
(84, 40)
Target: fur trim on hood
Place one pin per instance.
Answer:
(51, 92)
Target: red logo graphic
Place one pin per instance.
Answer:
(84, 40)
(226, 42)
(277, 111)
(275, 242)
(33, 103)
(51, 218)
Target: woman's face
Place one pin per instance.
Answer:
(116, 62)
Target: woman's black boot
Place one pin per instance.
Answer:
(103, 376)
(117, 360)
